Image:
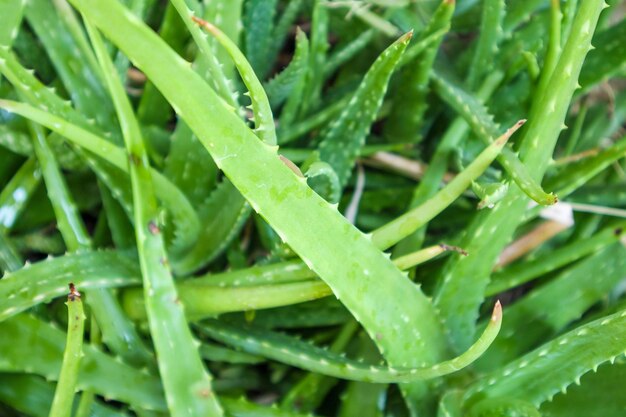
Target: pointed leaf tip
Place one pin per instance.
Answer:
(506, 135)
(206, 25)
(496, 315)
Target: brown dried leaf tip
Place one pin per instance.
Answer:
(74, 294)
(453, 248)
(496, 315)
(203, 23)
(153, 228)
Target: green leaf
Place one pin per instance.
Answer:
(342, 142)
(551, 368)
(282, 85)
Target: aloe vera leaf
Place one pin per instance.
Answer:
(258, 20)
(87, 399)
(36, 92)
(119, 224)
(287, 271)
(32, 395)
(119, 333)
(603, 121)
(10, 259)
(410, 104)
(263, 119)
(188, 165)
(223, 215)
(74, 27)
(212, 72)
(521, 273)
(553, 51)
(282, 85)
(519, 12)
(202, 301)
(569, 295)
(16, 193)
(25, 287)
(490, 34)
(94, 270)
(186, 382)
(503, 407)
(153, 108)
(31, 221)
(283, 195)
(355, 120)
(401, 227)
(11, 13)
(312, 89)
(607, 59)
(537, 376)
(598, 393)
(68, 58)
(438, 165)
(170, 194)
(562, 84)
(68, 376)
(574, 137)
(141, 9)
(307, 394)
(489, 232)
(68, 221)
(99, 372)
(575, 175)
(14, 141)
(322, 178)
(292, 108)
(477, 116)
(227, 15)
(46, 99)
(294, 352)
(569, 11)
(200, 295)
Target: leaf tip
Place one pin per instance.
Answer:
(206, 25)
(496, 315)
(73, 294)
(457, 249)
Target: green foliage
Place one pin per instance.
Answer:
(64, 394)
(140, 160)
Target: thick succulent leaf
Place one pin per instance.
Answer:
(342, 142)
(25, 287)
(282, 85)
(551, 368)
(598, 393)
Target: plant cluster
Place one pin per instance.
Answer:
(269, 208)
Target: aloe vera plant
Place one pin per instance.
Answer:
(215, 178)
